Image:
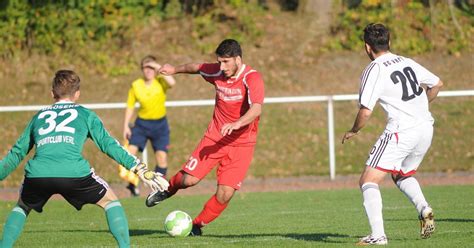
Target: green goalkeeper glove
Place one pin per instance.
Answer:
(152, 179)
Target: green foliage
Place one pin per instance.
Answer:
(246, 28)
(172, 10)
(75, 30)
(55, 26)
(237, 19)
(415, 27)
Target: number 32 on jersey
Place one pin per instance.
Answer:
(50, 119)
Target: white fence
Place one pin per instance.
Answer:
(294, 99)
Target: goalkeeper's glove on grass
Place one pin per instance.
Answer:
(152, 179)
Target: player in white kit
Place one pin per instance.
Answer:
(404, 89)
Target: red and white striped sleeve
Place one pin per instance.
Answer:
(210, 71)
(255, 87)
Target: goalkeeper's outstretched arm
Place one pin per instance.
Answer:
(22, 147)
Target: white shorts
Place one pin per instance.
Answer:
(401, 153)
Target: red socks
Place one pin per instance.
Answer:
(176, 183)
(212, 209)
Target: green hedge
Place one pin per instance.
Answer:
(416, 27)
(82, 27)
(74, 30)
(54, 26)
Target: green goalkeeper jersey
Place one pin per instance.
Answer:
(59, 132)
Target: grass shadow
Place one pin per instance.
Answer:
(66, 231)
(143, 232)
(436, 220)
(315, 237)
(133, 232)
(454, 220)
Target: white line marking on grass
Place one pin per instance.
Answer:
(145, 219)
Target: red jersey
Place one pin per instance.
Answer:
(234, 96)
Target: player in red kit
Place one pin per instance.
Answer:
(231, 136)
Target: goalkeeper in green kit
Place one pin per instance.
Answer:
(57, 167)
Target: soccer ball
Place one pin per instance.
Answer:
(178, 224)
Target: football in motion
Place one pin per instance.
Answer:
(178, 224)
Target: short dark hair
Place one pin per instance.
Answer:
(65, 83)
(229, 48)
(377, 36)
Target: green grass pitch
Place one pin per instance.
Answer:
(279, 219)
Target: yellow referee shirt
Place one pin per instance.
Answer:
(151, 98)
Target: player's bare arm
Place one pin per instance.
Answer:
(126, 128)
(153, 65)
(254, 111)
(169, 79)
(191, 68)
(362, 117)
(432, 92)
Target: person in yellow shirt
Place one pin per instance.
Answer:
(151, 123)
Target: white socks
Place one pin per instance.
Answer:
(373, 208)
(411, 188)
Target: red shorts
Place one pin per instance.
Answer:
(233, 161)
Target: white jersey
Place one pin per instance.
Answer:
(396, 82)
